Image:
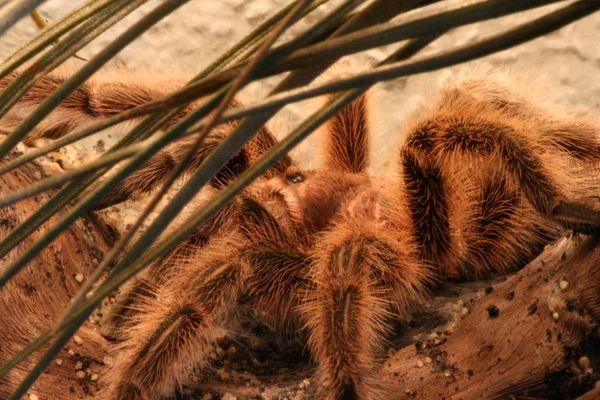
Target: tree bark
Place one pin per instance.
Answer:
(35, 298)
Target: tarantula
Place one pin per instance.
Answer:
(484, 178)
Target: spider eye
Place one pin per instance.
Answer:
(295, 177)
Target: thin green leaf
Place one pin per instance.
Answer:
(54, 57)
(15, 10)
(51, 34)
(235, 87)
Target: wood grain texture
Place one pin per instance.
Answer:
(34, 299)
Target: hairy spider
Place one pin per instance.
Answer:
(484, 178)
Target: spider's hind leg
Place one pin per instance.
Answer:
(550, 129)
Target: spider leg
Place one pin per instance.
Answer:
(361, 277)
(197, 303)
(344, 138)
(180, 329)
(453, 139)
(150, 175)
(575, 136)
(102, 96)
(111, 93)
(244, 215)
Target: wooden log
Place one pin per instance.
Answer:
(34, 299)
(534, 336)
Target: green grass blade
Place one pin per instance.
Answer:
(51, 34)
(15, 10)
(66, 48)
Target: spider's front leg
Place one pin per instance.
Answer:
(151, 175)
(142, 288)
(244, 214)
(178, 327)
(362, 276)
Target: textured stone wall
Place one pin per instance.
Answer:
(199, 31)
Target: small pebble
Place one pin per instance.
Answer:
(229, 397)
(464, 311)
(58, 361)
(107, 361)
(71, 352)
(33, 397)
(94, 377)
(78, 340)
(493, 311)
(555, 316)
(584, 362)
(89, 295)
(563, 285)
(447, 373)
(428, 360)
(79, 277)
(78, 365)
(306, 382)
(420, 364)
(80, 374)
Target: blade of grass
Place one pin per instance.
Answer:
(15, 10)
(51, 34)
(37, 18)
(54, 57)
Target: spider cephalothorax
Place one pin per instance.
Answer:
(482, 181)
